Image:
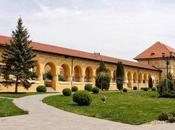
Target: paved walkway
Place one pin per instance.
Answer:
(44, 117)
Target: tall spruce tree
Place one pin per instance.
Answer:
(18, 59)
(120, 75)
(103, 77)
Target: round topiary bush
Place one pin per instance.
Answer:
(95, 90)
(125, 90)
(134, 88)
(145, 89)
(163, 117)
(67, 92)
(41, 88)
(82, 98)
(88, 87)
(74, 88)
(154, 89)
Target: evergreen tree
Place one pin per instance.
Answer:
(120, 75)
(103, 77)
(150, 82)
(18, 59)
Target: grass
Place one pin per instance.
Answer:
(134, 107)
(8, 108)
(18, 95)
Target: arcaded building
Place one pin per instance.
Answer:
(79, 68)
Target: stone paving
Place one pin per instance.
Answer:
(44, 117)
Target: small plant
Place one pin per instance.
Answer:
(82, 98)
(61, 78)
(103, 99)
(125, 90)
(145, 89)
(67, 92)
(163, 117)
(88, 87)
(74, 88)
(171, 119)
(154, 89)
(134, 88)
(41, 88)
(95, 90)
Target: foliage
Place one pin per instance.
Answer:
(67, 92)
(88, 87)
(141, 106)
(125, 90)
(18, 59)
(41, 88)
(74, 88)
(82, 98)
(47, 76)
(95, 90)
(120, 75)
(134, 88)
(154, 89)
(145, 89)
(103, 78)
(166, 89)
(61, 78)
(150, 82)
(8, 108)
(163, 117)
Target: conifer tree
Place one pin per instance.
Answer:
(18, 59)
(120, 75)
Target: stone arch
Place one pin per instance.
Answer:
(129, 77)
(140, 78)
(135, 77)
(145, 78)
(114, 76)
(88, 74)
(49, 73)
(64, 72)
(77, 73)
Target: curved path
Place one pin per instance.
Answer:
(44, 117)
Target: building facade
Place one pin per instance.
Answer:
(79, 68)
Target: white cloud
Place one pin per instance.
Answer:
(117, 28)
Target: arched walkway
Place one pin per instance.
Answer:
(88, 74)
(77, 74)
(129, 77)
(49, 73)
(135, 77)
(64, 73)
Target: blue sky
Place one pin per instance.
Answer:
(119, 28)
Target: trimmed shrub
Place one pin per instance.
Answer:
(41, 88)
(134, 88)
(125, 90)
(145, 89)
(82, 98)
(171, 119)
(163, 117)
(154, 89)
(95, 90)
(67, 92)
(74, 88)
(88, 87)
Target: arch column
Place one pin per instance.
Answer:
(40, 73)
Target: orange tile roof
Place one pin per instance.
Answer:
(155, 51)
(80, 54)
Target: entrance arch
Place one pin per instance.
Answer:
(64, 73)
(88, 74)
(77, 74)
(49, 73)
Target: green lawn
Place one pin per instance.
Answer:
(18, 95)
(8, 108)
(134, 107)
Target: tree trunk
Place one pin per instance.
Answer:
(16, 85)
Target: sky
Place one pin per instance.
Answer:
(118, 28)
